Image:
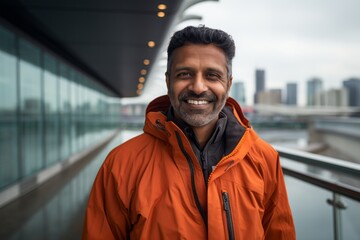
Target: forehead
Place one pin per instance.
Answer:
(198, 55)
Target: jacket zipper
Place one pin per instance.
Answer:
(204, 167)
(230, 227)
(192, 173)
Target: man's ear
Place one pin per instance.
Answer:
(230, 82)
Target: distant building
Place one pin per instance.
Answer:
(314, 88)
(291, 94)
(259, 84)
(353, 87)
(334, 97)
(270, 97)
(238, 92)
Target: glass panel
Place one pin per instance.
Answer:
(8, 119)
(65, 107)
(30, 106)
(73, 102)
(80, 113)
(51, 121)
(350, 219)
(7, 72)
(312, 215)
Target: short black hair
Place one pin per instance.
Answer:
(203, 35)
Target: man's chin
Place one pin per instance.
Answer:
(197, 122)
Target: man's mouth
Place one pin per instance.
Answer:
(197, 102)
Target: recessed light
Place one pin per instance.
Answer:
(162, 6)
(146, 61)
(161, 14)
(151, 44)
(143, 71)
(141, 79)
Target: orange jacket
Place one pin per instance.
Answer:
(152, 187)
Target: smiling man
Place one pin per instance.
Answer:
(199, 171)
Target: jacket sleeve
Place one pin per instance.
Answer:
(106, 216)
(277, 221)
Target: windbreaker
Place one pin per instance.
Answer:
(152, 187)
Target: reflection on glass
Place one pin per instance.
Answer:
(65, 107)
(8, 101)
(30, 108)
(312, 215)
(59, 112)
(350, 219)
(51, 110)
(56, 220)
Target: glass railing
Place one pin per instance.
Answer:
(324, 195)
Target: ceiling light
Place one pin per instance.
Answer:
(162, 6)
(138, 92)
(140, 86)
(143, 71)
(151, 44)
(161, 14)
(146, 61)
(141, 79)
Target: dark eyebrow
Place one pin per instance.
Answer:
(215, 70)
(183, 68)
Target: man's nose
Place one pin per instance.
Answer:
(198, 84)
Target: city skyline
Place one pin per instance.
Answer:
(291, 41)
(316, 94)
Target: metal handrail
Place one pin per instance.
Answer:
(343, 189)
(342, 166)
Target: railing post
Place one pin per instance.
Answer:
(337, 207)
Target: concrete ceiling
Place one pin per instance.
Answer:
(105, 38)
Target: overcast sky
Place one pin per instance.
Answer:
(292, 41)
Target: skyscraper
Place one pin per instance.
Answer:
(291, 94)
(270, 97)
(334, 97)
(238, 92)
(259, 84)
(353, 87)
(314, 88)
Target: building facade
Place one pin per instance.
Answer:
(259, 84)
(237, 91)
(353, 87)
(270, 97)
(314, 88)
(291, 94)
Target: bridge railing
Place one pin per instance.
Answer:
(324, 194)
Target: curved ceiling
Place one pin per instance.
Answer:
(108, 39)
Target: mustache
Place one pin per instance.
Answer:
(208, 96)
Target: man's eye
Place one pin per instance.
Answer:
(213, 76)
(184, 75)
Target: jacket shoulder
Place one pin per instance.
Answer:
(263, 153)
(131, 146)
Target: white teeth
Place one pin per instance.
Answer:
(197, 102)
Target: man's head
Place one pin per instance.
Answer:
(203, 35)
(199, 75)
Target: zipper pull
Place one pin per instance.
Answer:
(226, 201)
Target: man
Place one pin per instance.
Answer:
(199, 171)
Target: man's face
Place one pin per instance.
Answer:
(197, 83)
